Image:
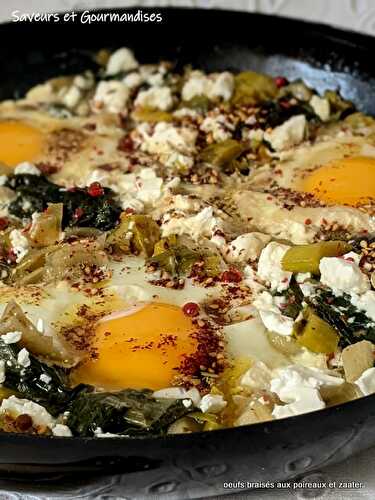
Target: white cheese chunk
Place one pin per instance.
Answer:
(246, 247)
(23, 358)
(212, 403)
(15, 406)
(343, 275)
(366, 382)
(289, 134)
(321, 107)
(121, 60)
(11, 337)
(20, 244)
(61, 430)
(299, 387)
(26, 168)
(271, 316)
(179, 393)
(155, 97)
(213, 86)
(203, 224)
(110, 96)
(365, 303)
(270, 268)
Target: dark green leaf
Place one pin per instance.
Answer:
(129, 412)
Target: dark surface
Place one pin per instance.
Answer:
(193, 465)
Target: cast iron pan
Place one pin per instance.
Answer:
(196, 465)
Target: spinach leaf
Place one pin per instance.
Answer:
(54, 395)
(82, 209)
(351, 324)
(293, 300)
(128, 412)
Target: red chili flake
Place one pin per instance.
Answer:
(126, 144)
(4, 223)
(78, 212)
(231, 276)
(191, 309)
(281, 81)
(308, 222)
(95, 189)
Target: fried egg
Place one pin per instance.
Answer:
(132, 334)
(313, 188)
(139, 348)
(74, 146)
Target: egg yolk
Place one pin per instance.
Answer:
(350, 181)
(139, 350)
(19, 142)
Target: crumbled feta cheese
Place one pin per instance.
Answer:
(15, 406)
(133, 189)
(20, 244)
(121, 60)
(365, 303)
(270, 268)
(2, 371)
(223, 86)
(23, 358)
(26, 168)
(246, 247)
(155, 97)
(11, 337)
(257, 377)
(98, 432)
(72, 97)
(111, 96)
(321, 107)
(61, 430)
(252, 280)
(299, 387)
(203, 224)
(212, 403)
(271, 316)
(133, 80)
(343, 276)
(366, 382)
(167, 139)
(179, 393)
(287, 135)
(46, 379)
(219, 126)
(212, 86)
(196, 85)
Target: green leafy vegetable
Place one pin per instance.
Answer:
(128, 412)
(54, 395)
(293, 300)
(80, 208)
(351, 324)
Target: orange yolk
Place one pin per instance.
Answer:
(139, 350)
(19, 142)
(349, 181)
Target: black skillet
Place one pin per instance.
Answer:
(195, 465)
